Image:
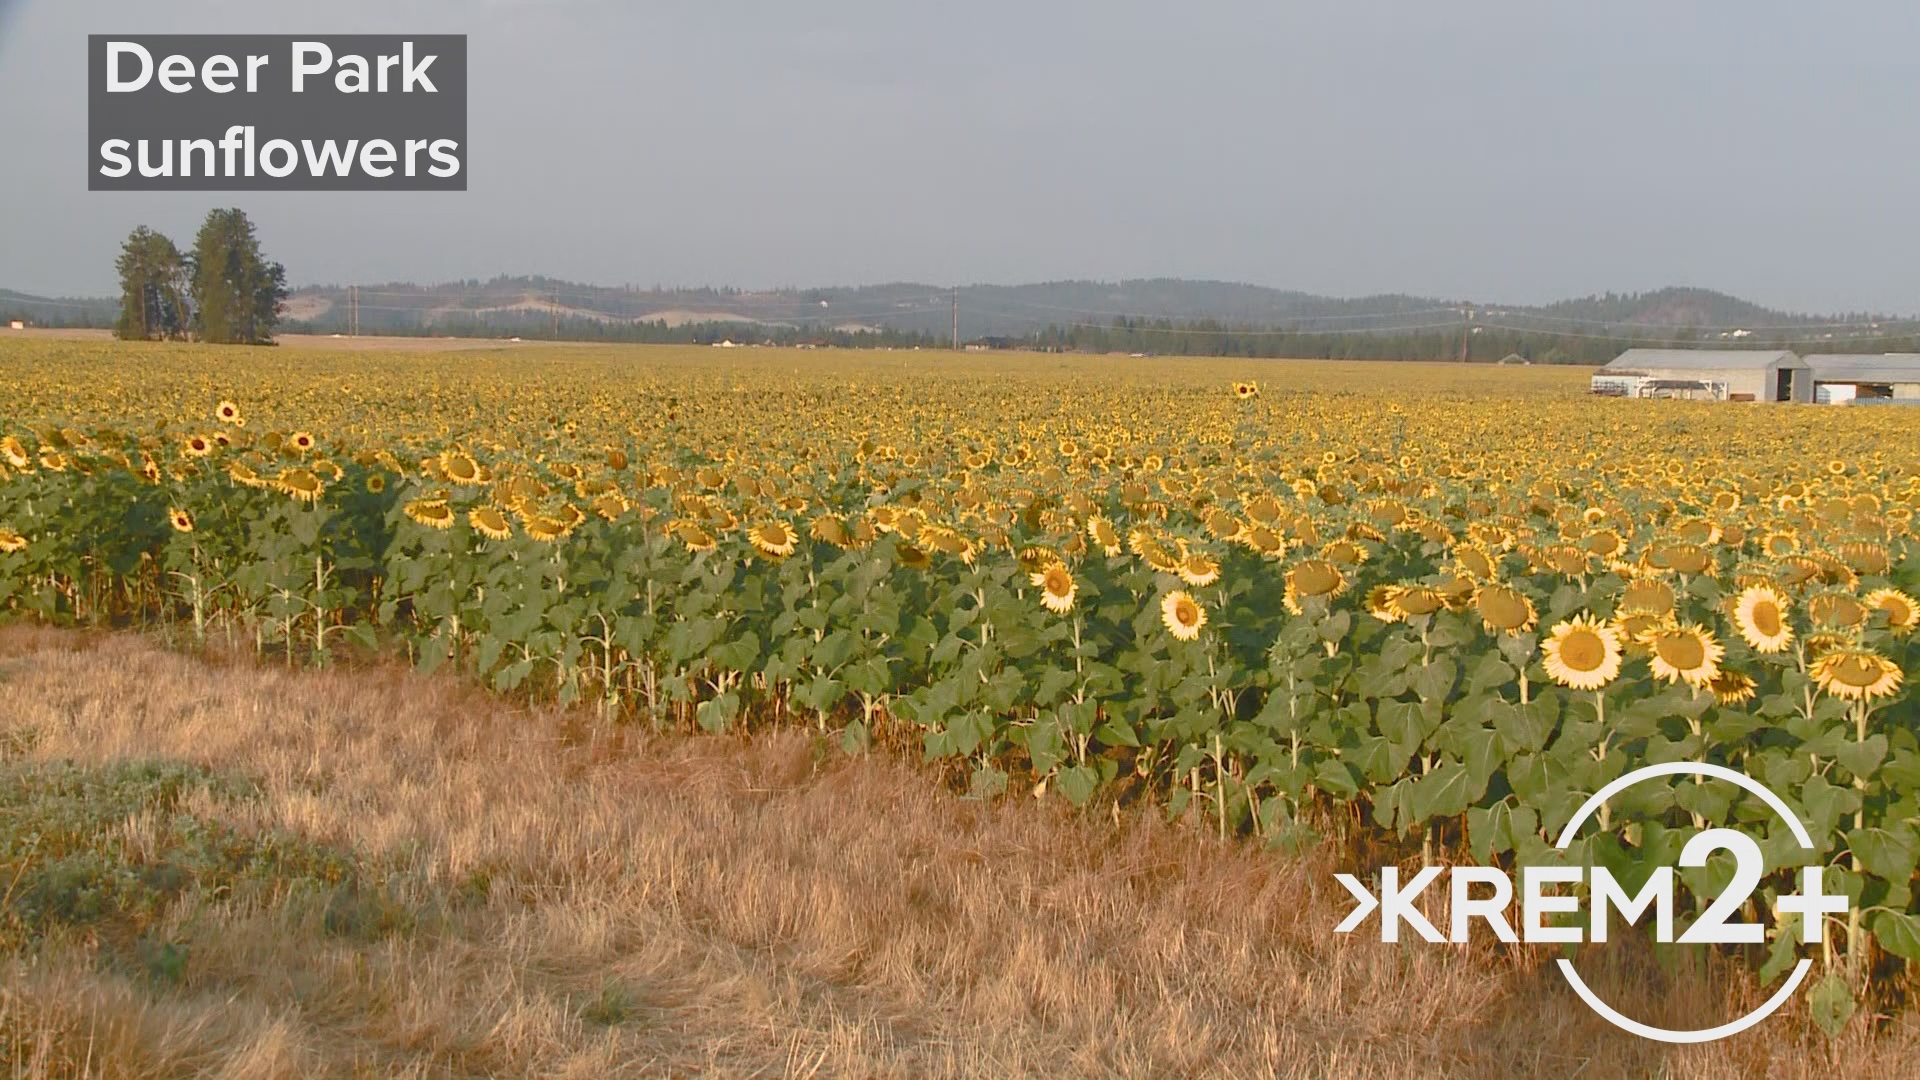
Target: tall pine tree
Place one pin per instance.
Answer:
(153, 288)
(237, 293)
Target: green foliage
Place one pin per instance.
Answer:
(153, 288)
(116, 844)
(237, 293)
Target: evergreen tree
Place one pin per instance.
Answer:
(237, 293)
(153, 288)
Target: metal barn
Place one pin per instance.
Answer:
(1840, 379)
(1707, 374)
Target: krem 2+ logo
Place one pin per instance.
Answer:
(1716, 925)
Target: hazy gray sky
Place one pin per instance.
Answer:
(1512, 150)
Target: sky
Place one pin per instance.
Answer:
(1486, 150)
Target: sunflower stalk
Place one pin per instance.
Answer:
(1856, 943)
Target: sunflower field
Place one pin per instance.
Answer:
(1445, 603)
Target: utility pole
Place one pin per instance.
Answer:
(353, 310)
(956, 319)
(1466, 331)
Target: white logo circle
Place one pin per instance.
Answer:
(1676, 768)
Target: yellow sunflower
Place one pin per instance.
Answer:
(1760, 614)
(1582, 653)
(1413, 600)
(1160, 557)
(1199, 569)
(460, 468)
(1856, 674)
(1475, 562)
(243, 474)
(610, 505)
(228, 413)
(1731, 687)
(1104, 536)
(197, 446)
(300, 442)
(1686, 653)
(433, 513)
(1901, 611)
(1312, 578)
(1504, 610)
(1865, 557)
(302, 484)
(1836, 610)
(1647, 596)
(1265, 540)
(180, 520)
(1182, 615)
(11, 541)
(830, 529)
(1057, 588)
(548, 529)
(1379, 603)
(774, 539)
(489, 522)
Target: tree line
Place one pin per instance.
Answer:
(535, 327)
(1484, 344)
(223, 291)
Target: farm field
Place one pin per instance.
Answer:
(1300, 608)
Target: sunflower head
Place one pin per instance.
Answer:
(303, 485)
(228, 413)
(1379, 602)
(1182, 615)
(1504, 609)
(1760, 614)
(1900, 609)
(1266, 540)
(433, 513)
(549, 529)
(1835, 610)
(1865, 557)
(774, 539)
(1647, 596)
(1313, 579)
(489, 522)
(1684, 653)
(180, 520)
(1582, 653)
(459, 467)
(1856, 674)
(1057, 587)
(1198, 569)
(1731, 687)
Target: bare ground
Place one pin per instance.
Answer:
(545, 894)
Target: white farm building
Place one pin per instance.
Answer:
(1841, 379)
(1707, 375)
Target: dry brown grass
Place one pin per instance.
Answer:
(728, 907)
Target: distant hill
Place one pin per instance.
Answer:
(58, 310)
(511, 305)
(1017, 310)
